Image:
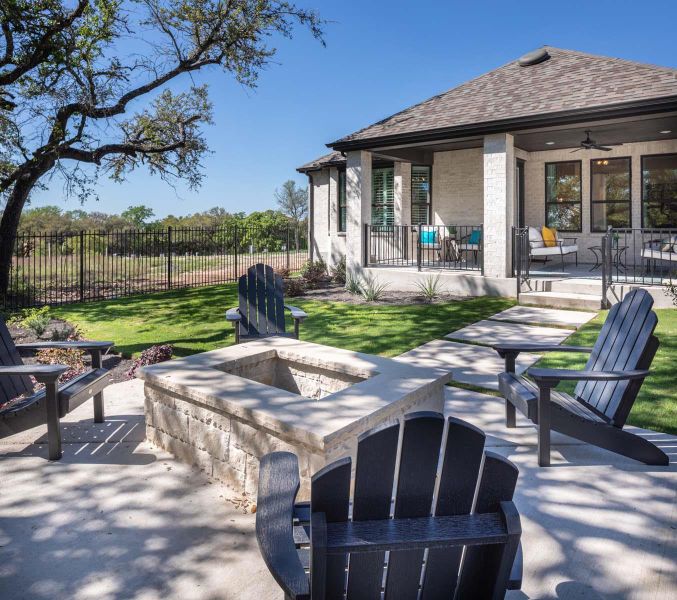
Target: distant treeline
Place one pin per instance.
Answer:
(55, 220)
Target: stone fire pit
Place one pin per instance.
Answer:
(222, 410)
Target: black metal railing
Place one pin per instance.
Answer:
(62, 268)
(520, 257)
(452, 247)
(640, 256)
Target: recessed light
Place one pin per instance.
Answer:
(553, 143)
(666, 131)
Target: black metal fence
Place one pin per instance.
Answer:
(453, 247)
(62, 268)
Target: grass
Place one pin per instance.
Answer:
(656, 406)
(193, 320)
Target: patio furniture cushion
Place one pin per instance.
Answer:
(428, 236)
(659, 254)
(549, 237)
(475, 237)
(535, 238)
(555, 250)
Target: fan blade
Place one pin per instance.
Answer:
(603, 148)
(577, 149)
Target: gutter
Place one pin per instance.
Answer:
(567, 117)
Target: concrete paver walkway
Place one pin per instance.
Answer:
(490, 332)
(545, 316)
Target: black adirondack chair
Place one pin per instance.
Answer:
(261, 310)
(606, 388)
(323, 550)
(54, 401)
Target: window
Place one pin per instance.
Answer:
(382, 196)
(659, 191)
(420, 195)
(609, 193)
(342, 201)
(563, 195)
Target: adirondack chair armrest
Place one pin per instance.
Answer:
(551, 377)
(517, 572)
(278, 485)
(515, 349)
(296, 313)
(233, 315)
(42, 373)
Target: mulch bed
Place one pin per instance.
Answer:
(334, 292)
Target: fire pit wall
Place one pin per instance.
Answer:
(223, 410)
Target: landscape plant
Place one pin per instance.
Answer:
(151, 356)
(373, 290)
(353, 285)
(314, 272)
(430, 287)
(294, 286)
(36, 320)
(338, 271)
(73, 358)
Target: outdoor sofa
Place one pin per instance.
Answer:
(562, 246)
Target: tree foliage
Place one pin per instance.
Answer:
(71, 72)
(293, 201)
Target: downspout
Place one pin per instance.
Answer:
(311, 217)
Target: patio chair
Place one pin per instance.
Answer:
(320, 550)
(430, 241)
(470, 244)
(22, 407)
(261, 310)
(562, 247)
(606, 390)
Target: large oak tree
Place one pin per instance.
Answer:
(94, 82)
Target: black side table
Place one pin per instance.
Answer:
(618, 253)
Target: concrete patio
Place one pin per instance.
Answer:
(117, 518)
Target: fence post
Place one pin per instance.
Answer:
(418, 248)
(605, 274)
(169, 257)
(365, 257)
(287, 248)
(237, 273)
(82, 265)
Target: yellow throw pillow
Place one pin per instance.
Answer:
(549, 237)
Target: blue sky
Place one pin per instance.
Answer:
(381, 57)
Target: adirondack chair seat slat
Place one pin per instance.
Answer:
(341, 556)
(54, 401)
(606, 390)
(260, 312)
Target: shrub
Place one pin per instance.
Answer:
(294, 286)
(151, 356)
(430, 287)
(66, 332)
(338, 271)
(314, 272)
(283, 272)
(71, 357)
(36, 320)
(353, 285)
(373, 290)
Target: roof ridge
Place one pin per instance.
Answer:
(626, 61)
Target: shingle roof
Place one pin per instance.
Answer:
(569, 80)
(331, 159)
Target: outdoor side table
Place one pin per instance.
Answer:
(617, 255)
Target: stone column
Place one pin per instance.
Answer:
(332, 215)
(402, 193)
(499, 203)
(358, 207)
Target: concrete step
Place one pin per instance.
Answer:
(562, 300)
(567, 286)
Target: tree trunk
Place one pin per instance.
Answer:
(9, 224)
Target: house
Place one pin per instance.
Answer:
(557, 138)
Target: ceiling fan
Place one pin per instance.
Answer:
(589, 144)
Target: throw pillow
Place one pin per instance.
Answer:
(549, 237)
(428, 236)
(535, 238)
(475, 237)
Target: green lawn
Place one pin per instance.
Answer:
(193, 320)
(656, 407)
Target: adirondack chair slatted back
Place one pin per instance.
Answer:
(421, 450)
(261, 302)
(626, 342)
(11, 387)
